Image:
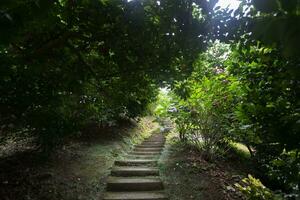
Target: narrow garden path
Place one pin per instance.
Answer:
(136, 177)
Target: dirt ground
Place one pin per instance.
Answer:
(188, 176)
(76, 170)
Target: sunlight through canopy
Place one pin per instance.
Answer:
(231, 4)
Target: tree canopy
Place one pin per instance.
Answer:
(66, 62)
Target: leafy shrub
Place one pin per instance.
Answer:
(205, 103)
(250, 97)
(254, 189)
(284, 171)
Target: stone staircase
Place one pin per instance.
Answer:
(137, 177)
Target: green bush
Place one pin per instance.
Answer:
(249, 96)
(255, 190)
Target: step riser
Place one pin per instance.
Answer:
(126, 163)
(145, 142)
(135, 173)
(135, 196)
(149, 146)
(148, 149)
(121, 198)
(149, 156)
(134, 186)
(160, 141)
(142, 157)
(145, 153)
(145, 198)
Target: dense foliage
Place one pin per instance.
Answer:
(255, 190)
(65, 63)
(249, 97)
(247, 91)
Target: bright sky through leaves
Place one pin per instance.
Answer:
(232, 4)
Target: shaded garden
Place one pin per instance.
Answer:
(231, 78)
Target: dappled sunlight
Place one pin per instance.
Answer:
(231, 4)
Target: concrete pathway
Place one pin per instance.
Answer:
(137, 176)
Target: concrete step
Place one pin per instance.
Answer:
(153, 195)
(135, 162)
(147, 149)
(134, 184)
(149, 146)
(153, 142)
(156, 136)
(156, 153)
(134, 171)
(134, 156)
